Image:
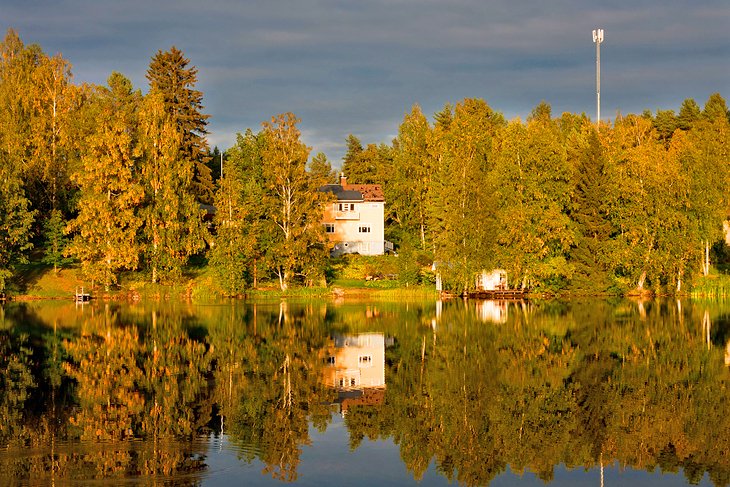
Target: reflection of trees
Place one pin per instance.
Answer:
(106, 371)
(16, 384)
(283, 392)
(556, 384)
(569, 385)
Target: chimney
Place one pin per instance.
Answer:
(343, 179)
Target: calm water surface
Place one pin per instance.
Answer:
(321, 393)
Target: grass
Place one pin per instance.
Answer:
(36, 280)
(714, 285)
(354, 276)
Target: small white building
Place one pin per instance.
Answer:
(355, 222)
(495, 280)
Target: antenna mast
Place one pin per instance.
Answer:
(597, 39)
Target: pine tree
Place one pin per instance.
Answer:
(171, 77)
(354, 149)
(689, 113)
(715, 108)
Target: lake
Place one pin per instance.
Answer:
(583, 392)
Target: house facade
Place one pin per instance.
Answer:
(355, 221)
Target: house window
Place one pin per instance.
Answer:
(330, 360)
(347, 206)
(329, 228)
(365, 360)
(364, 228)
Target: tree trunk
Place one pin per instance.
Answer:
(679, 281)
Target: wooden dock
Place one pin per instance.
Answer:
(81, 297)
(498, 294)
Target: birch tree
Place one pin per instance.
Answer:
(173, 228)
(294, 203)
(408, 190)
(462, 206)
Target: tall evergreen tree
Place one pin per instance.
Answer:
(592, 185)
(171, 76)
(715, 108)
(56, 241)
(689, 113)
(320, 168)
(354, 149)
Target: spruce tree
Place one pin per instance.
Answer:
(174, 80)
(591, 188)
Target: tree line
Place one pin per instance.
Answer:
(120, 181)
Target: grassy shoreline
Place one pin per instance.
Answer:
(36, 281)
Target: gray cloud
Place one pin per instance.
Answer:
(357, 67)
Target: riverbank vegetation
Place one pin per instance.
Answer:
(113, 181)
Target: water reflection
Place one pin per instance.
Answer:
(356, 370)
(111, 391)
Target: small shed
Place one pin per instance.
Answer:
(495, 280)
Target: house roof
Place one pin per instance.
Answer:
(355, 192)
(370, 192)
(342, 193)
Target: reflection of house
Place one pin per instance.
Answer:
(355, 222)
(494, 311)
(355, 362)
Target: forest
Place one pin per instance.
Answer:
(115, 181)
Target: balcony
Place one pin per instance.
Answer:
(347, 215)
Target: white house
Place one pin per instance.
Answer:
(355, 222)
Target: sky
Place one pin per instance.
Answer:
(357, 66)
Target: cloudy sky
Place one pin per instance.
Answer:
(356, 66)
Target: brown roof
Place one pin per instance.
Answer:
(370, 192)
